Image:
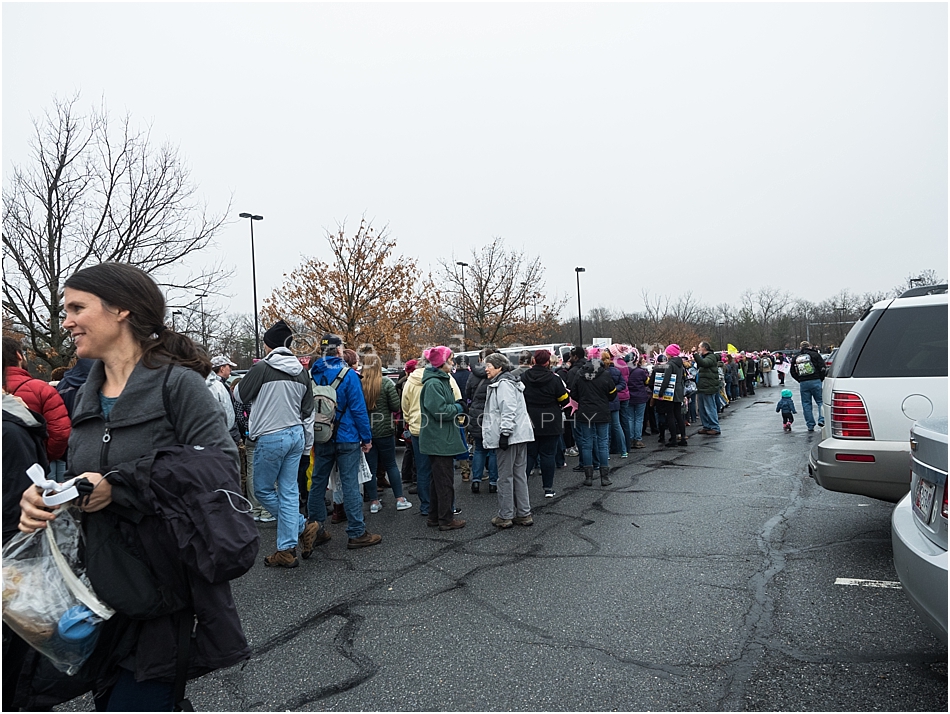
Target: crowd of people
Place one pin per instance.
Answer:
(309, 443)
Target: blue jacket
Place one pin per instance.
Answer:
(785, 404)
(350, 405)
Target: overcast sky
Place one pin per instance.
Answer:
(666, 147)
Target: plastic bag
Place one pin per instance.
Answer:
(365, 474)
(47, 599)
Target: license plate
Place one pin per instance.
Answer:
(923, 500)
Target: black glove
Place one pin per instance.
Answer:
(503, 442)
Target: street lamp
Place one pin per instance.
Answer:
(175, 312)
(524, 287)
(201, 306)
(580, 320)
(463, 266)
(257, 329)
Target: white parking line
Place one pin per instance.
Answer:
(869, 583)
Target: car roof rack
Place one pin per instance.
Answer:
(927, 290)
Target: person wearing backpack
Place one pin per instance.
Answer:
(765, 367)
(808, 369)
(146, 391)
(281, 424)
(338, 397)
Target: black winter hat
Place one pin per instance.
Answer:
(279, 335)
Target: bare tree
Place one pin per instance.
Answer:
(501, 293)
(918, 280)
(95, 190)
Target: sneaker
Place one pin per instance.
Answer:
(257, 517)
(267, 518)
(523, 520)
(821, 424)
(476, 485)
(375, 507)
(364, 541)
(572, 451)
(578, 468)
(456, 511)
(453, 525)
(549, 493)
(492, 488)
(501, 522)
(403, 505)
(282, 559)
(639, 445)
(466, 477)
(624, 455)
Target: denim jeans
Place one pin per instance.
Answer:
(384, 449)
(544, 449)
(346, 456)
(693, 414)
(276, 458)
(593, 439)
(616, 439)
(708, 413)
(559, 459)
(811, 389)
(481, 457)
(129, 695)
(423, 476)
(638, 410)
(626, 423)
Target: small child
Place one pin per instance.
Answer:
(787, 407)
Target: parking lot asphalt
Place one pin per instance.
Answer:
(703, 579)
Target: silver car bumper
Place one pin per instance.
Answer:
(922, 568)
(886, 478)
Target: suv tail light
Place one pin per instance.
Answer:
(849, 417)
(943, 511)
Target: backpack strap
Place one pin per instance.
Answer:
(166, 400)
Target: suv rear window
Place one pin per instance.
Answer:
(906, 342)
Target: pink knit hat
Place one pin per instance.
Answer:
(437, 355)
(618, 351)
(594, 352)
(673, 350)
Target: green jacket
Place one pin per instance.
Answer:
(439, 434)
(708, 380)
(381, 418)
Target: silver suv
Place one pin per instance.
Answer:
(890, 371)
(919, 526)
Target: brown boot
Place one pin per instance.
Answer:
(364, 541)
(283, 559)
(314, 534)
(339, 513)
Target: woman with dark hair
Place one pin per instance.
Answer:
(145, 391)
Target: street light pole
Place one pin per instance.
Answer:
(201, 306)
(257, 329)
(175, 312)
(524, 286)
(463, 266)
(580, 319)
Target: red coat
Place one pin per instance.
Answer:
(42, 398)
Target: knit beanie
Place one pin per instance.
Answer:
(279, 335)
(542, 357)
(438, 355)
(411, 365)
(594, 352)
(673, 350)
(787, 393)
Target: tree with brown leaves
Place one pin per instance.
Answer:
(376, 300)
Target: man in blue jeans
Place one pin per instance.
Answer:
(707, 388)
(281, 423)
(808, 369)
(351, 439)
